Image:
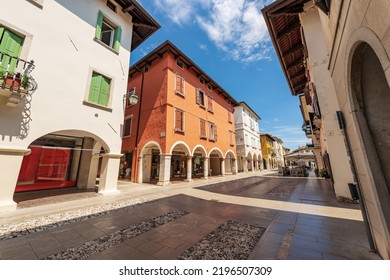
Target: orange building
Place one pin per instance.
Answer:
(183, 124)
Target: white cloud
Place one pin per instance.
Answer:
(179, 11)
(236, 27)
(203, 47)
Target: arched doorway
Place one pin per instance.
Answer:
(180, 162)
(240, 162)
(371, 108)
(250, 162)
(230, 163)
(215, 160)
(150, 164)
(255, 162)
(198, 162)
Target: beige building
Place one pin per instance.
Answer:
(338, 53)
(64, 69)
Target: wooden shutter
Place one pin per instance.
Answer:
(178, 120)
(94, 88)
(117, 38)
(210, 104)
(202, 128)
(179, 85)
(215, 133)
(198, 97)
(99, 23)
(11, 45)
(104, 91)
(229, 116)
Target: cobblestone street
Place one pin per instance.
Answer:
(257, 216)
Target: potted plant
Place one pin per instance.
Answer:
(10, 80)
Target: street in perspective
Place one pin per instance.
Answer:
(213, 130)
(256, 216)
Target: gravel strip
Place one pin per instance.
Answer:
(107, 241)
(230, 241)
(13, 230)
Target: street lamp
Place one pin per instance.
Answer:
(131, 97)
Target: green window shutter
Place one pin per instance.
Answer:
(117, 38)
(94, 88)
(99, 23)
(10, 44)
(104, 91)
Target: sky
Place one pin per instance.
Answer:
(229, 40)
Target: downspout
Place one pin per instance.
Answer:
(340, 118)
(138, 123)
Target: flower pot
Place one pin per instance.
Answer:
(9, 83)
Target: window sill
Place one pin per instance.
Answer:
(212, 140)
(106, 46)
(202, 106)
(180, 94)
(179, 131)
(87, 103)
(203, 137)
(230, 122)
(211, 111)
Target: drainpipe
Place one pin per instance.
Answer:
(340, 118)
(138, 122)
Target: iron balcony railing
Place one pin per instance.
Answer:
(15, 74)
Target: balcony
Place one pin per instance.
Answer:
(15, 79)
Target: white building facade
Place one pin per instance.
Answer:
(64, 127)
(247, 138)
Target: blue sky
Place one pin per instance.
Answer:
(228, 39)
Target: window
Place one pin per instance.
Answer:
(201, 80)
(127, 126)
(252, 125)
(10, 48)
(209, 86)
(212, 132)
(107, 32)
(210, 104)
(99, 91)
(179, 85)
(179, 120)
(200, 98)
(230, 117)
(180, 63)
(202, 124)
(231, 136)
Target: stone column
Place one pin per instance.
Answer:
(235, 166)
(108, 183)
(189, 169)
(94, 165)
(140, 170)
(10, 162)
(223, 166)
(165, 170)
(205, 168)
(245, 163)
(252, 164)
(85, 163)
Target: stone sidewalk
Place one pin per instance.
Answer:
(244, 216)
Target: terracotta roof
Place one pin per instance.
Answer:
(169, 47)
